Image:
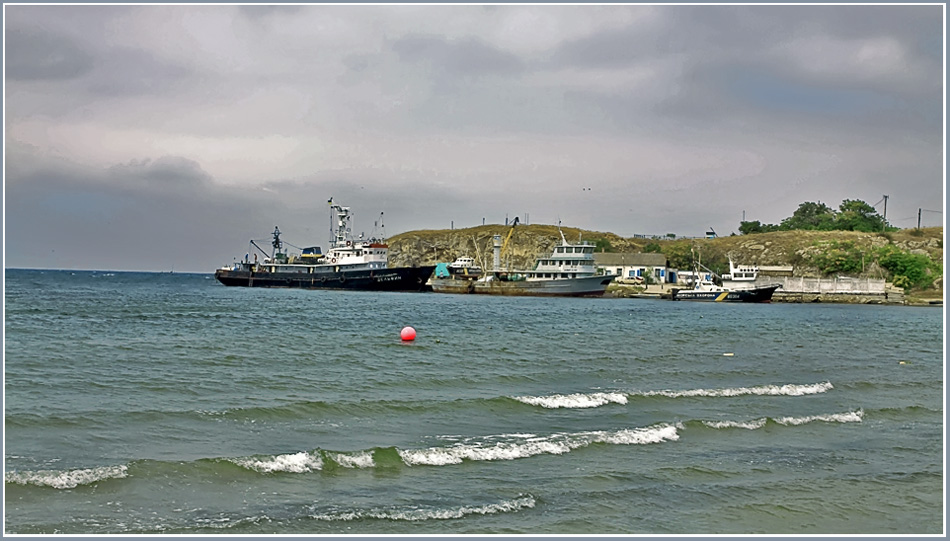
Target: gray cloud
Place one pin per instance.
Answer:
(124, 71)
(190, 129)
(466, 57)
(33, 54)
(265, 11)
(167, 171)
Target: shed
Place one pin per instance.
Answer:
(638, 266)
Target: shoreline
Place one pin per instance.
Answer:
(664, 292)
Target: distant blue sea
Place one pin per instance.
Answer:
(146, 403)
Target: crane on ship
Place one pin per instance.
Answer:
(504, 247)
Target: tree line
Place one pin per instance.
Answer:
(852, 215)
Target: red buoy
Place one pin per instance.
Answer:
(407, 334)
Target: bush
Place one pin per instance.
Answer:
(679, 255)
(908, 270)
(603, 245)
(839, 257)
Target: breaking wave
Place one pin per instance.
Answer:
(762, 390)
(523, 446)
(490, 448)
(593, 400)
(749, 425)
(577, 400)
(66, 479)
(417, 514)
(301, 462)
(847, 417)
(486, 448)
(362, 459)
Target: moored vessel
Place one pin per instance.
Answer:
(463, 268)
(707, 291)
(348, 264)
(568, 272)
(737, 286)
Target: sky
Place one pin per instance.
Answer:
(165, 137)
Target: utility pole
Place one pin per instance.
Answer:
(884, 226)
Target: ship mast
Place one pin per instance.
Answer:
(339, 229)
(276, 243)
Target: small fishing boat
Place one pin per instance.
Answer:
(463, 268)
(568, 272)
(348, 264)
(464, 265)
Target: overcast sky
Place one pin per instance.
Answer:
(157, 137)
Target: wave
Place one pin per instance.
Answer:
(749, 425)
(849, 417)
(525, 501)
(301, 462)
(753, 424)
(485, 448)
(490, 448)
(523, 446)
(593, 400)
(577, 400)
(762, 390)
(66, 479)
(300, 409)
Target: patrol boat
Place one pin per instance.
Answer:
(348, 264)
(737, 286)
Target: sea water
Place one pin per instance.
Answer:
(147, 403)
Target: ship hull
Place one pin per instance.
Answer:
(593, 286)
(398, 279)
(759, 294)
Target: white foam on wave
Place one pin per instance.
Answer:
(66, 479)
(301, 462)
(762, 390)
(749, 425)
(555, 444)
(362, 459)
(577, 400)
(522, 502)
(848, 417)
(638, 436)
